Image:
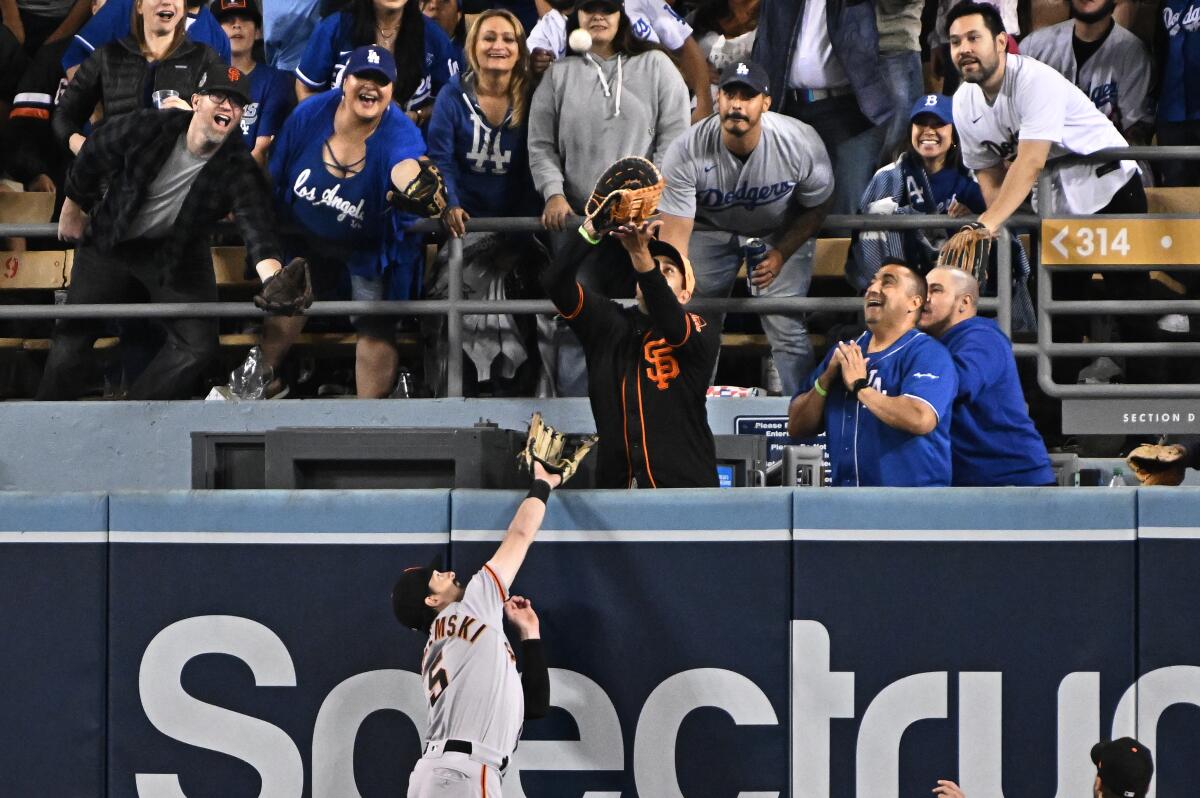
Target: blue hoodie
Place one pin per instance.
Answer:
(993, 440)
(486, 169)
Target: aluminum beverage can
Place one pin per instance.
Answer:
(753, 252)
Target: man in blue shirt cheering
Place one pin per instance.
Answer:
(995, 442)
(884, 399)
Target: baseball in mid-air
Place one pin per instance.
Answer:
(580, 41)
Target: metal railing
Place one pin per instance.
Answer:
(454, 307)
(1048, 307)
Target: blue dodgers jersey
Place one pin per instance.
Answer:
(111, 22)
(995, 442)
(271, 97)
(331, 45)
(1180, 93)
(863, 451)
(352, 211)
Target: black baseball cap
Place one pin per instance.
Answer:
(1125, 766)
(408, 596)
(612, 5)
(236, 8)
(748, 74)
(226, 79)
(661, 249)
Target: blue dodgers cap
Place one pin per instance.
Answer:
(939, 105)
(746, 73)
(372, 58)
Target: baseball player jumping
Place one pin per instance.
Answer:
(476, 701)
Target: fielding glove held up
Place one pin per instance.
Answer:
(545, 445)
(287, 291)
(626, 193)
(968, 250)
(421, 190)
(1158, 464)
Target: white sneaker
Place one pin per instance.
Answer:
(1175, 323)
(771, 381)
(1101, 371)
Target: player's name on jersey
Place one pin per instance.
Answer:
(455, 626)
(1099, 242)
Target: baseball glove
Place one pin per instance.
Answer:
(1158, 464)
(546, 444)
(627, 193)
(421, 191)
(969, 250)
(287, 291)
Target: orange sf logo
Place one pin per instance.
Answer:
(665, 366)
(234, 75)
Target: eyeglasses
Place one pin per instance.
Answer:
(220, 98)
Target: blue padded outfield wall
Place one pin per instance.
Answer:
(711, 644)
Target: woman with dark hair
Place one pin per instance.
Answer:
(478, 139)
(623, 96)
(156, 64)
(929, 177)
(425, 57)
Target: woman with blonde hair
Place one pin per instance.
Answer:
(477, 137)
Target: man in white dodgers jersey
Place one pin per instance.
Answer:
(477, 701)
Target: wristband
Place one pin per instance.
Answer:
(858, 385)
(540, 490)
(820, 391)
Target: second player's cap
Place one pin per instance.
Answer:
(746, 73)
(661, 249)
(233, 8)
(227, 79)
(408, 596)
(1125, 766)
(372, 58)
(939, 105)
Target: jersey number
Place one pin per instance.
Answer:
(437, 681)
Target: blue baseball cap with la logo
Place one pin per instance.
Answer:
(372, 58)
(748, 74)
(939, 105)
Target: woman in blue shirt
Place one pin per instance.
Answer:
(425, 58)
(331, 167)
(929, 178)
(477, 138)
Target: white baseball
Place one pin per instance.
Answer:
(580, 41)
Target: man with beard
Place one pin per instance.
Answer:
(885, 399)
(750, 172)
(1106, 61)
(994, 441)
(1013, 114)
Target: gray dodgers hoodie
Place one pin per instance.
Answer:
(578, 125)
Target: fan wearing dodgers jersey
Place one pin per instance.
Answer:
(748, 171)
(477, 702)
(1105, 60)
(651, 20)
(884, 400)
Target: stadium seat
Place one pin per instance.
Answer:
(26, 207)
(33, 269)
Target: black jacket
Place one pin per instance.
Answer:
(119, 161)
(647, 379)
(117, 74)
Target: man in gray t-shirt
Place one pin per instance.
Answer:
(747, 172)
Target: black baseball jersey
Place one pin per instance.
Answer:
(647, 379)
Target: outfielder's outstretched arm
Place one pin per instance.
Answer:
(523, 528)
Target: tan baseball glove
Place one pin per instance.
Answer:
(1158, 463)
(969, 250)
(627, 193)
(547, 445)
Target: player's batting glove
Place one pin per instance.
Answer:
(546, 445)
(421, 190)
(1158, 464)
(287, 291)
(969, 250)
(627, 193)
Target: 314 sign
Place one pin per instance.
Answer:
(1101, 242)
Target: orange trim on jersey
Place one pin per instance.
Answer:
(29, 113)
(687, 332)
(483, 779)
(642, 416)
(578, 308)
(625, 422)
(496, 579)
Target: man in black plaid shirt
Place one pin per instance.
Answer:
(140, 199)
